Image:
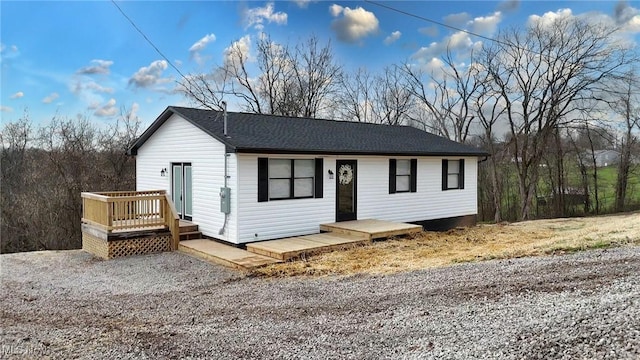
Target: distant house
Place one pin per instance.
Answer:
(603, 157)
(257, 177)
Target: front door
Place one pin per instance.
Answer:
(182, 193)
(346, 190)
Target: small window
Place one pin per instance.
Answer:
(452, 174)
(402, 175)
(289, 178)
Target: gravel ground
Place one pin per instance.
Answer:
(69, 305)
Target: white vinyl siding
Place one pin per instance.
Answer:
(430, 202)
(276, 219)
(179, 141)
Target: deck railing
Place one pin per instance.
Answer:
(118, 211)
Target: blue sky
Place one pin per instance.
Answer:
(84, 57)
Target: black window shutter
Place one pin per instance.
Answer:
(263, 179)
(319, 179)
(461, 179)
(392, 176)
(445, 169)
(414, 173)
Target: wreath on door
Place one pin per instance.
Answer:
(345, 174)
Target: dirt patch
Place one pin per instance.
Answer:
(482, 242)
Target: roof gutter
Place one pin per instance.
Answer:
(486, 157)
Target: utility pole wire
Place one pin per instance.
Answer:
(150, 42)
(440, 23)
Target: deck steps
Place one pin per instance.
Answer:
(189, 231)
(190, 235)
(372, 228)
(226, 255)
(295, 247)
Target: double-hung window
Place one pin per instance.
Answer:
(280, 179)
(402, 175)
(452, 174)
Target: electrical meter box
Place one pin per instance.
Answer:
(225, 200)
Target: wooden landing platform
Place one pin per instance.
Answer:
(226, 255)
(289, 248)
(371, 228)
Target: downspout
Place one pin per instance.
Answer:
(226, 155)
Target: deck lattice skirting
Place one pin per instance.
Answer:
(109, 248)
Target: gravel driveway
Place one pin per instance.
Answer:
(69, 305)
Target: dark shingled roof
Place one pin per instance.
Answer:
(257, 133)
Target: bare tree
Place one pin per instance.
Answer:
(445, 97)
(274, 80)
(625, 104)
(317, 76)
(541, 74)
(355, 97)
(490, 109)
(45, 168)
(392, 99)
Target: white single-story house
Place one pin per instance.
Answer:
(252, 177)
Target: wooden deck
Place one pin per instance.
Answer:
(371, 228)
(289, 248)
(226, 255)
(338, 236)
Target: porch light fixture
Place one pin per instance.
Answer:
(163, 172)
(330, 174)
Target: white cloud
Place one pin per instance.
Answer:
(458, 19)
(50, 98)
(429, 31)
(108, 109)
(98, 67)
(17, 95)
(354, 24)
(202, 43)
(256, 17)
(82, 85)
(335, 10)
(302, 3)
(5, 108)
(12, 48)
(624, 12)
(627, 17)
(549, 17)
(238, 50)
(486, 24)
(150, 76)
(457, 42)
(133, 111)
(393, 37)
(10, 52)
(633, 25)
(508, 5)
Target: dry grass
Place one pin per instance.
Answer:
(483, 242)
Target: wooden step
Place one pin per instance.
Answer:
(373, 229)
(291, 248)
(190, 235)
(187, 226)
(226, 255)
